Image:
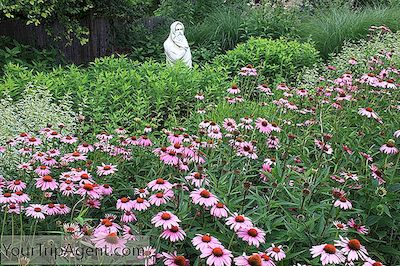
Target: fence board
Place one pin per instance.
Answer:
(100, 38)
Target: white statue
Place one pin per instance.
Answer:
(176, 46)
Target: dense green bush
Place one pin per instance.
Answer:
(274, 59)
(268, 21)
(115, 92)
(25, 55)
(330, 28)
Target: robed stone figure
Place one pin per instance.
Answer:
(176, 46)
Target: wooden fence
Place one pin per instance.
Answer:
(100, 38)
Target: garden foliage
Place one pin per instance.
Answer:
(274, 59)
(117, 91)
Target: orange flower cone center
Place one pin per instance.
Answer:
(218, 252)
(354, 244)
(330, 249)
(254, 260)
(47, 178)
(165, 216)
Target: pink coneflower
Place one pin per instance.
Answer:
(197, 179)
(120, 131)
(51, 134)
(36, 211)
(248, 70)
(352, 248)
(33, 141)
(42, 170)
(128, 217)
(16, 185)
(68, 139)
(246, 123)
(75, 156)
(199, 96)
(343, 203)
(229, 125)
(49, 161)
(201, 242)
(173, 234)
(265, 89)
(53, 152)
(273, 142)
(358, 227)
(52, 209)
(21, 197)
(63, 209)
(175, 260)
(203, 197)
(396, 134)
(214, 134)
(105, 189)
(25, 166)
(142, 192)
(352, 61)
(234, 89)
(377, 174)
(148, 254)
(339, 225)
(159, 184)
(217, 255)
(276, 252)
(93, 203)
(337, 179)
(323, 146)
(106, 169)
(128, 233)
(89, 189)
(109, 242)
(263, 126)
(46, 182)
(25, 151)
(161, 197)
(144, 141)
(282, 87)
(389, 148)
(348, 175)
(238, 221)
(251, 260)
(368, 112)
(329, 254)
(371, 262)
(85, 148)
(140, 204)
(107, 225)
(71, 228)
(165, 219)
(252, 235)
(302, 92)
(7, 197)
(347, 149)
(124, 204)
(219, 210)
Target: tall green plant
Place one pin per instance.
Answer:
(329, 29)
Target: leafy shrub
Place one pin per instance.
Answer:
(25, 55)
(274, 59)
(35, 110)
(268, 21)
(330, 28)
(115, 91)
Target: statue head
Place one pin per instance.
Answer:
(177, 34)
